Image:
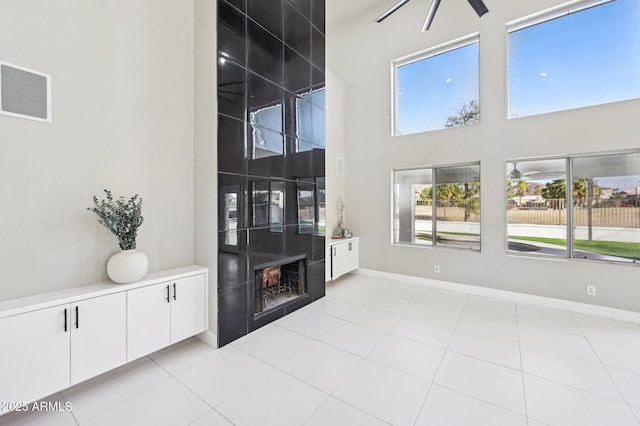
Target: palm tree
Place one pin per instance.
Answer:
(555, 191)
(521, 190)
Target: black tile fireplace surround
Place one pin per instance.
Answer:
(271, 155)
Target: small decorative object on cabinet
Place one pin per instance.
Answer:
(341, 257)
(339, 231)
(123, 218)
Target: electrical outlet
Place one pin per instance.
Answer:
(436, 269)
(591, 290)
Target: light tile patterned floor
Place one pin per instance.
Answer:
(377, 352)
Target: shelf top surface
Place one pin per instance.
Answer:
(69, 295)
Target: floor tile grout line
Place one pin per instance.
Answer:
(127, 399)
(482, 400)
(623, 402)
(215, 353)
(604, 366)
(613, 343)
(227, 397)
(524, 388)
(444, 353)
(366, 357)
(557, 352)
(71, 411)
(359, 409)
(207, 413)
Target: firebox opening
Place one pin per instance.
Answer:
(278, 284)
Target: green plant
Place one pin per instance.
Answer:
(122, 217)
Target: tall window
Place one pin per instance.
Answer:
(438, 206)
(574, 58)
(596, 216)
(606, 208)
(437, 89)
(537, 207)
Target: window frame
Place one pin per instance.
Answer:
(538, 18)
(420, 56)
(570, 225)
(434, 219)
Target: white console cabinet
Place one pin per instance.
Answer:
(53, 340)
(341, 257)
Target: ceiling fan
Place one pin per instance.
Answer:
(515, 174)
(477, 5)
(538, 175)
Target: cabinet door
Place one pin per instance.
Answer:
(34, 359)
(327, 263)
(188, 307)
(345, 258)
(98, 335)
(148, 316)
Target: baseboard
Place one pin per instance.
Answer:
(209, 338)
(547, 302)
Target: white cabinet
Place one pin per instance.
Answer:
(34, 354)
(188, 308)
(98, 329)
(165, 313)
(53, 340)
(343, 256)
(47, 350)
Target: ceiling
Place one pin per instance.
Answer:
(339, 10)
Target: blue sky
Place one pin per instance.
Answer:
(431, 90)
(585, 58)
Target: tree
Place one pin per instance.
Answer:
(511, 190)
(472, 201)
(616, 194)
(555, 191)
(426, 194)
(449, 192)
(466, 114)
(520, 190)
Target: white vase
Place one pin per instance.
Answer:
(127, 266)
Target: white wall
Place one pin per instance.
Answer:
(122, 82)
(206, 151)
(360, 52)
(336, 128)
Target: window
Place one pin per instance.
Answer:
(597, 217)
(574, 58)
(455, 205)
(537, 207)
(606, 209)
(437, 89)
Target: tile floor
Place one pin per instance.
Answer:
(375, 352)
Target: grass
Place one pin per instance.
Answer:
(609, 248)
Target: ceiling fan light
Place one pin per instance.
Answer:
(515, 173)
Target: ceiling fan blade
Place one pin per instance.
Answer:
(478, 6)
(393, 9)
(432, 12)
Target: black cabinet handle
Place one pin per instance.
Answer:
(77, 318)
(174, 291)
(65, 320)
(168, 295)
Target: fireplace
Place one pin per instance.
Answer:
(278, 283)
